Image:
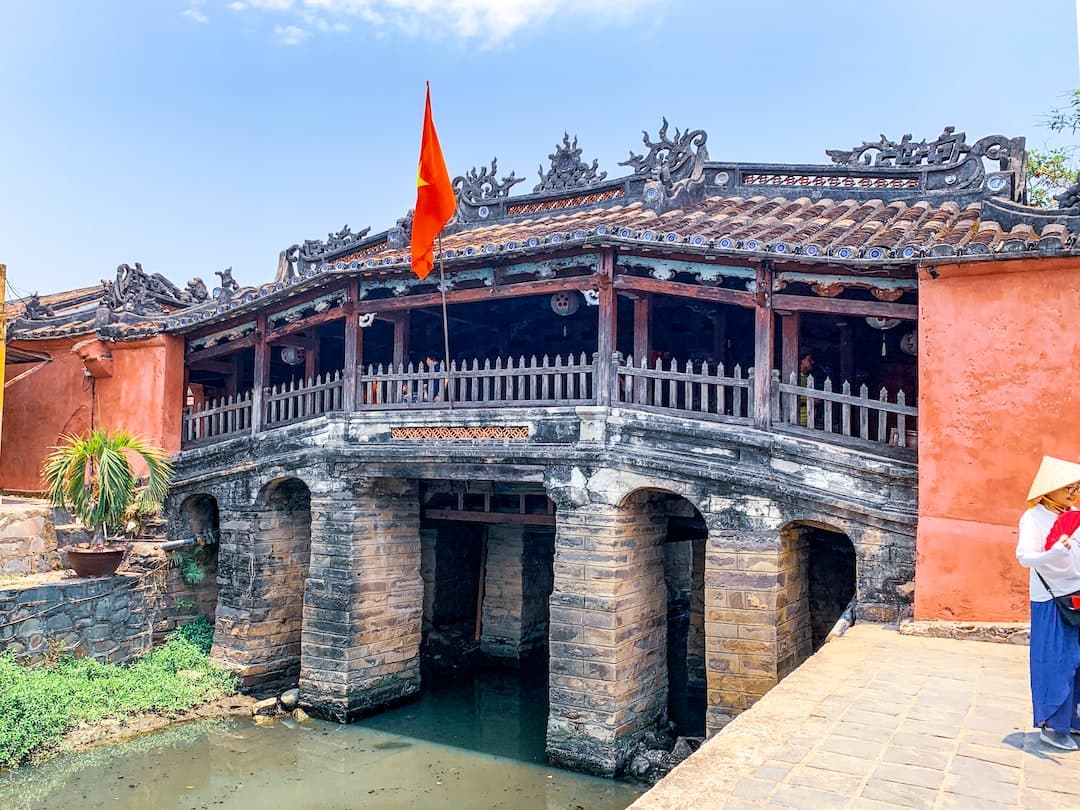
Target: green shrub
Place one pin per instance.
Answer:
(39, 704)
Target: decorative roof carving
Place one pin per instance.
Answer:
(480, 185)
(401, 234)
(345, 238)
(948, 148)
(675, 157)
(568, 170)
(1070, 197)
(141, 293)
(34, 310)
(228, 287)
(676, 165)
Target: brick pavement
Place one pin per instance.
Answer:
(877, 720)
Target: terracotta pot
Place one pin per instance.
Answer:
(89, 562)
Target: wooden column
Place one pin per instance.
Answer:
(606, 324)
(764, 337)
(789, 345)
(642, 340)
(847, 354)
(261, 374)
(311, 356)
(719, 333)
(354, 347)
(401, 338)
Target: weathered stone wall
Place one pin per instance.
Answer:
(170, 600)
(27, 539)
(794, 635)
(106, 618)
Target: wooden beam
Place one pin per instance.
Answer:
(223, 367)
(717, 295)
(334, 314)
(764, 337)
(221, 349)
(466, 516)
(844, 306)
(606, 326)
(543, 287)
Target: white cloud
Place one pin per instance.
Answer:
(195, 15)
(491, 21)
(290, 34)
(237, 6)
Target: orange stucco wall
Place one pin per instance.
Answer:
(998, 350)
(143, 395)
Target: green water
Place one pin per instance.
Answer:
(477, 744)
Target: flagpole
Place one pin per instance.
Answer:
(445, 325)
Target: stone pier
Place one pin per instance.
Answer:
(608, 634)
(363, 604)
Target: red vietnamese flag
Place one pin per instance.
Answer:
(435, 201)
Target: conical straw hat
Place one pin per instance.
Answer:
(1054, 473)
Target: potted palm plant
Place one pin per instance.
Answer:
(91, 476)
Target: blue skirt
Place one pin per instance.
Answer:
(1055, 661)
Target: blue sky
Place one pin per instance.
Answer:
(191, 136)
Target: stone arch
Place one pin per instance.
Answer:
(819, 562)
(682, 537)
(280, 556)
(200, 518)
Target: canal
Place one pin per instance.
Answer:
(476, 743)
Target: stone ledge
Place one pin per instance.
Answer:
(999, 632)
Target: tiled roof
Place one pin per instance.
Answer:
(846, 230)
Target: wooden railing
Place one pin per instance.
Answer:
(843, 413)
(526, 382)
(697, 389)
(703, 390)
(217, 419)
(302, 399)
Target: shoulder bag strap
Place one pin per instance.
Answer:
(1044, 582)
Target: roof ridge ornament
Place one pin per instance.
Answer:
(141, 293)
(346, 237)
(568, 170)
(34, 310)
(478, 185)
(948, 148)
(674, 166)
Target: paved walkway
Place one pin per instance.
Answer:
(877, 720)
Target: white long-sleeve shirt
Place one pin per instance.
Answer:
(1059, 566)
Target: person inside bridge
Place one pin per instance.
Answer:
(1055, 645)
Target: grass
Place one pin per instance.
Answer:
(39, 704)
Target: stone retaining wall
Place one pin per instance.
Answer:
(104, 618)
(108, 618)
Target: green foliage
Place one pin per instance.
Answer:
(1049, 172)
(1067, 117)
(189, 561)
(91, 476)
(39, 704)
(200, 632)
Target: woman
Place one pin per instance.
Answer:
(1055, 646)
